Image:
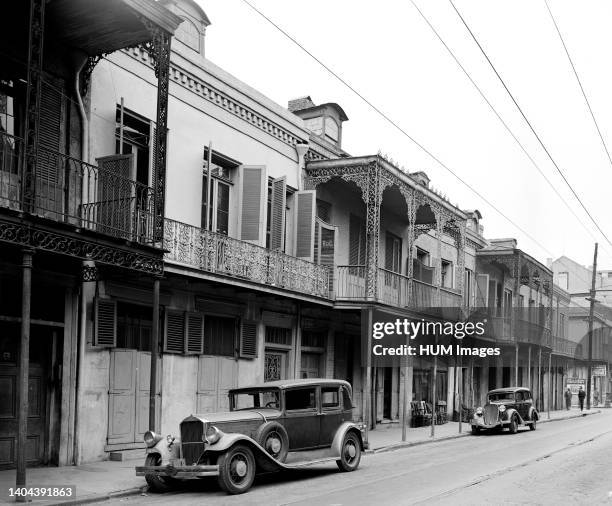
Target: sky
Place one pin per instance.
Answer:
(389, 54)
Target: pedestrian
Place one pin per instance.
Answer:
(568, 398)
(581, 396)
(596, 397)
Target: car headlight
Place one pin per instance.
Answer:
(151, 439)
(501, 408)
(479, 411)
(212, 435)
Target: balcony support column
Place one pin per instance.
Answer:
(411, 204)
(373, 199)
(154, 357)
(32, 105)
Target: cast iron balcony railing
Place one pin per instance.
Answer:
(219, 254)
(69, 190)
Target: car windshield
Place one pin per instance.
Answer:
(501, 397)
(255, 399)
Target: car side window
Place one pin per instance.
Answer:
(301, 399)
(519, 396)
(330, 398)
(527, 395)
(348, 404)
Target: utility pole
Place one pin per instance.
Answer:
(592, 301)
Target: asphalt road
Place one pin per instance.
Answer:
(566, 461)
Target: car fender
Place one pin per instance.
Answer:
(166, 450)
(265, 461)
(510, 412)
(339, 437)
(533, 411)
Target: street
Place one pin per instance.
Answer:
(563, 461)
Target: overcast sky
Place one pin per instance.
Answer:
(389, 54)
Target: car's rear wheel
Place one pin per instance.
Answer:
(513, 427)
(350, 453)
(532, 425)
(236, 469)
(475, 430)
(156, 483)
(273, 437)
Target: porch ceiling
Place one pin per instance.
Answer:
(104, 26)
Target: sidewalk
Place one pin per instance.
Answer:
(104, 480)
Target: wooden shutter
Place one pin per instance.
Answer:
(105, 323)
(356, 241)
(253, 203)
(305, 204)
(248, 340)
(277, 213)
(327, 249)
(174, 331)
(194, 333)
(482, 290)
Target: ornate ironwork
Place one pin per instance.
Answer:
(33, 94)
(220, 254)
(88, 69)
(27, 235)
(89, 273)
(373, 199)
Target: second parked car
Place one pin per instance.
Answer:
(508, 408)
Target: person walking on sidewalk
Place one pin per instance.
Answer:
(581, 396)
(568, 398)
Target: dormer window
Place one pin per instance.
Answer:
(189, 35)
(315, 125)
(331, 130)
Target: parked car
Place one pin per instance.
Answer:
(270, 427)
(506, 408)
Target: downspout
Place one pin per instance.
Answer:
(82, 338)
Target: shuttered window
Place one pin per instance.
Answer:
(194, 332)
(305, 224)
(482, 290)
(248, 339)
(393, 253)
(278, 207)
(357, 244)
(174, 331)
(219, 336)
(253, 190)
(105, 323)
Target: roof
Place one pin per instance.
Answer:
(508, 389)
(288, 383)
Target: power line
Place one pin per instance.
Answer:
(467, 74)
(396, 126)
(579, 82)
(529, 124)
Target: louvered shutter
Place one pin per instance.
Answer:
(194, 330)
(305, 204)
(277, 213)
(115, 196)
(253, 203)
(327, 250)
(354, 239)
(174, 331)
(248, 340)
(389, 252)
(105, 323)
(482, 290)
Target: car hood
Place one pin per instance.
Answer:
(235, 416)
(499, 403)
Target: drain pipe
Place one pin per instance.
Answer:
(82, 337)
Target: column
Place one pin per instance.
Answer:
(24, 370)
(373, 201)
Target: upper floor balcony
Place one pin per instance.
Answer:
(100, 198)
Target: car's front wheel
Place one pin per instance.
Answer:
(156, 483)
(236, 469)
(350, 453)
(475, 430)
(532, 425)
(273, 437)
(513, 427)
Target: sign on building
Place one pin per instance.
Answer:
(599, 370)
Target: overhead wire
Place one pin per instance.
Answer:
(586, 210)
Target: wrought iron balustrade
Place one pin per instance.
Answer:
(450, 298)
(393, 288)
(220, 254)
(69, 190)
(565, 347)
(423, 295)
(501, 328)
(351, 281)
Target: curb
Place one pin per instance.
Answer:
(105, 496)
(407, 444)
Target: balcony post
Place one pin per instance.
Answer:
(412, 208)
(373, 201)
(154, 357)
(32, 105)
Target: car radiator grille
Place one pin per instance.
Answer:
(490, 414)
(191, 441)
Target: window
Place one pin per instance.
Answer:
(447, 274)
(9, 156)
(278, 335)
(563, 280)
(420, 267)
(324, 210)
(188, 34)
(315, 125)
(134, 327)
(219, 336)
(468, 288)
(219, 195)
(330, 398)
(561, 325)
(507, 303)
(301, 399)
(134, 135)
(269, 214)
(357, 244)
(346, 399)
(331, 130)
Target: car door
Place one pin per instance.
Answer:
(331, 413)
(527, 403)
(519, 402)
(302, 420)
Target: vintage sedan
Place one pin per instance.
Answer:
(509, 408)
(270, 427)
